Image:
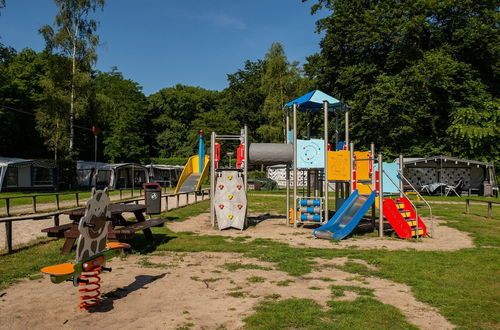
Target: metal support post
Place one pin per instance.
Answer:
(352, 167)
(380, 197)
(347, 127)
(245, 166)
(287, 170)
(401, 166)
(295, 176)
(212, 178)
(325, 180)
(372, 160)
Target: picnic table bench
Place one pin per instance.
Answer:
(119, 227)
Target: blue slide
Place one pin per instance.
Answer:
(347, 217)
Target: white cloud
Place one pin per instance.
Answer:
(224, 21)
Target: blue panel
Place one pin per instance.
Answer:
(290, 136)
(313, 101)
(310, 154)
(308, 202)
(390, 173)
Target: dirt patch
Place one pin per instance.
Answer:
(445, 238)
(195, 289)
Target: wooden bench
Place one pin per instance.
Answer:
(71, 232)
(57, 231)
(128, 231)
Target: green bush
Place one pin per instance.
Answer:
(169, 161)
(257, 174)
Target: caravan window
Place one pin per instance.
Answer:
(11, 177)
(139, 177)
(42, 176)
(103, 178)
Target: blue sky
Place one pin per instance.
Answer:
(160, 43)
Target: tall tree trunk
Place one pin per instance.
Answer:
(72, 99)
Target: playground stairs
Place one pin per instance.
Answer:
(403, 218)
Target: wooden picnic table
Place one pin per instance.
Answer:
(117, 219)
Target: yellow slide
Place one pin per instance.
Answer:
(191, 178)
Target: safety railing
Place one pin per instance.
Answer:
(402, 192)
(422, 198)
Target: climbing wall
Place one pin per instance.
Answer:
(230, 199)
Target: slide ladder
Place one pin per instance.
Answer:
(402, 217)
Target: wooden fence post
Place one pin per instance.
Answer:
(490, 211)
(77, 199)
(7, 206)
(56, 220)
(467, 206)
(57, 201)
(34, 203)
(178, 197)
(8, 235)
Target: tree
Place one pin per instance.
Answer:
(243, 98)
(420, 77)
(121, 116)
(20, 91)
(74, 38)
(279, 84)
(174, 110)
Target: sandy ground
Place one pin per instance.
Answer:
(191, 290)
(273, 227)
(168, 290)
(25, 231)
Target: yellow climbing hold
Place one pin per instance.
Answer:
(230, 217)
(230, 196)
(230, 177)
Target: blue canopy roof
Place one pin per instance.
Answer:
(314, 101)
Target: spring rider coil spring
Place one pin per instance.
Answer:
(90, 291)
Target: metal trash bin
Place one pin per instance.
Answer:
(152, 196)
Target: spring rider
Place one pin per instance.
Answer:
(91, 252)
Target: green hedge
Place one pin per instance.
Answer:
(169, 161)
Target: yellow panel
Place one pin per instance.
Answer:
(364, 189)
(362, 166)
(338, 165)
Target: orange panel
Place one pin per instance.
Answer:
(117, 245)
(362, 166)
(59, 270)
(338, 165)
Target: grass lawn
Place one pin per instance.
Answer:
(463, 285)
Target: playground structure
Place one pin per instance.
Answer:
(358, 177)
(195, 170)
(91, 253)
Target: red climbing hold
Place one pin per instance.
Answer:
(238, 187)
(221, 206)
(221, 186)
